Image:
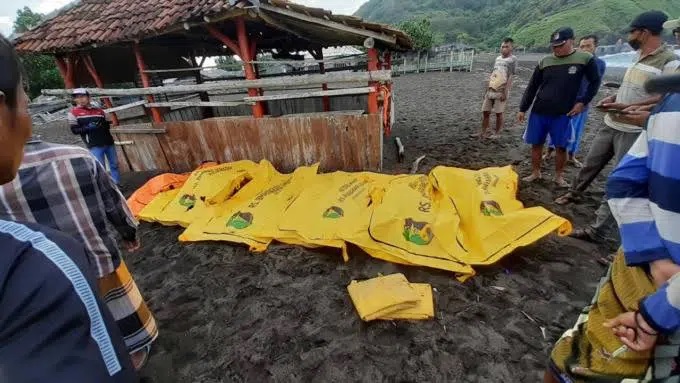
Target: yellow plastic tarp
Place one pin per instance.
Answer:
(203, 190)
(252, 215)
(493, 222)
(333, 207)
(391, 297)
(154, 208)
(412, 223)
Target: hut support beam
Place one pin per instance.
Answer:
(245, 51)
(146, 82)
(318, 55)
(89, 64)
(64, 65)
(373, 65)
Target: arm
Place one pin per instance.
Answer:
(592, 73)
(532, 89)
(76, 128)
(628, 192)
(661, 310)
(117, 210)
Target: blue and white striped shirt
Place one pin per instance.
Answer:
(644, 196)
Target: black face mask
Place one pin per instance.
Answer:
(635, 44)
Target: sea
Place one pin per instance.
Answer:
(622, 60)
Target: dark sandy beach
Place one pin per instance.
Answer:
(226, 315)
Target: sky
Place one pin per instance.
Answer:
(8, 8)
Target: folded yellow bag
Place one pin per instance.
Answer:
(424, 308)
(391, 297)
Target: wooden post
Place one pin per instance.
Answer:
(404, 64)
(205, 112)
(247, 57)
(317, 54)
(427, 55)
(89, 64)
(146, 82)
(451, 61)
(66, 71)
(418, 66)
(373, 65)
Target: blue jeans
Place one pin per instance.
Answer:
(104, 153)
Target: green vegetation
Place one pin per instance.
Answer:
(484, 23)
(40, 70)
(420, 30)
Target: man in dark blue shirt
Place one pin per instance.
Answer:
(578, 123)
(553, 96)
(53, 327)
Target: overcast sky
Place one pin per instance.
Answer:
(8, 8)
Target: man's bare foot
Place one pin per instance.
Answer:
(495, 136)
(561, 182)
(577, 164)
(479, 135)
(533, 177)
(565, 199)
(140, 358)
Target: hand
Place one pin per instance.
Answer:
(636, 338)
(521, 117)
(637, 117)
(615, 105)
(606, 100)
(132, 246)
(639, 108)
(504, 97)
(663, 270)
(576, 110)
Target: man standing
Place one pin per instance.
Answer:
(91, 124)
(66, 189)
(554, 93)
(498, 89)
(586, 44)
(620, 132)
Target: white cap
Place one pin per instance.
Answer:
(80, 92)
(672, 24)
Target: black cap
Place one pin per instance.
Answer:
(650, 20)
(561, 36)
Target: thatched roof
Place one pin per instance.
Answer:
(88, 24)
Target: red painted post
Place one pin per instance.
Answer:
(89, 64)
(373, 65)
(66, 75)
(146, 82)
(246, 57)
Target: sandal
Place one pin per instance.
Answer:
(146, 351)
(532, 178)
(583, 235)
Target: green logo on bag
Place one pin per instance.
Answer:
(188, 201)
(240, 220)
(333, 212)
(491, 208)
(419, 233)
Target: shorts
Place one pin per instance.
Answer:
(540, 126)
(492, 102)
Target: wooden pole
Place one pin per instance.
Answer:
(427, 55)
(205, 112)
(373, 65)
(244, 44)
(146, 82)
(318, 55)
(89, 64)
(63, 71)
(451, 61)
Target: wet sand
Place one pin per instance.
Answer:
(226, 315)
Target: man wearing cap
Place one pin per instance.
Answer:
(91, 124)
(619, 132)
(554, 93)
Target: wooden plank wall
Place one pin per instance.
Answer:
(350, 142)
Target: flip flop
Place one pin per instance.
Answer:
(145, 358)
(532, 178)
(566, 199)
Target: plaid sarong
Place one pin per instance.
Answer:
(131, 313)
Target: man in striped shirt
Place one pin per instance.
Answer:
(643, 196)
(67, 189)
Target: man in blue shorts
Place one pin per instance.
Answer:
(554, 93)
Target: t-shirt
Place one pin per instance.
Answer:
(554, 86)
(53, 325)
(632, 90)
(503, 69)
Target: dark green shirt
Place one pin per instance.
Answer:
(554, 86)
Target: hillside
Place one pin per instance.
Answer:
(484, 22)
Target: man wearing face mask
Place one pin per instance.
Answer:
(616, 137)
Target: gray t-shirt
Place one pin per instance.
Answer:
(503, 69)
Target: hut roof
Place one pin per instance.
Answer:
(87, 24)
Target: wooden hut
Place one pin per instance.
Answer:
(122, 50)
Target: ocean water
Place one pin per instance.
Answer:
(622, 60)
